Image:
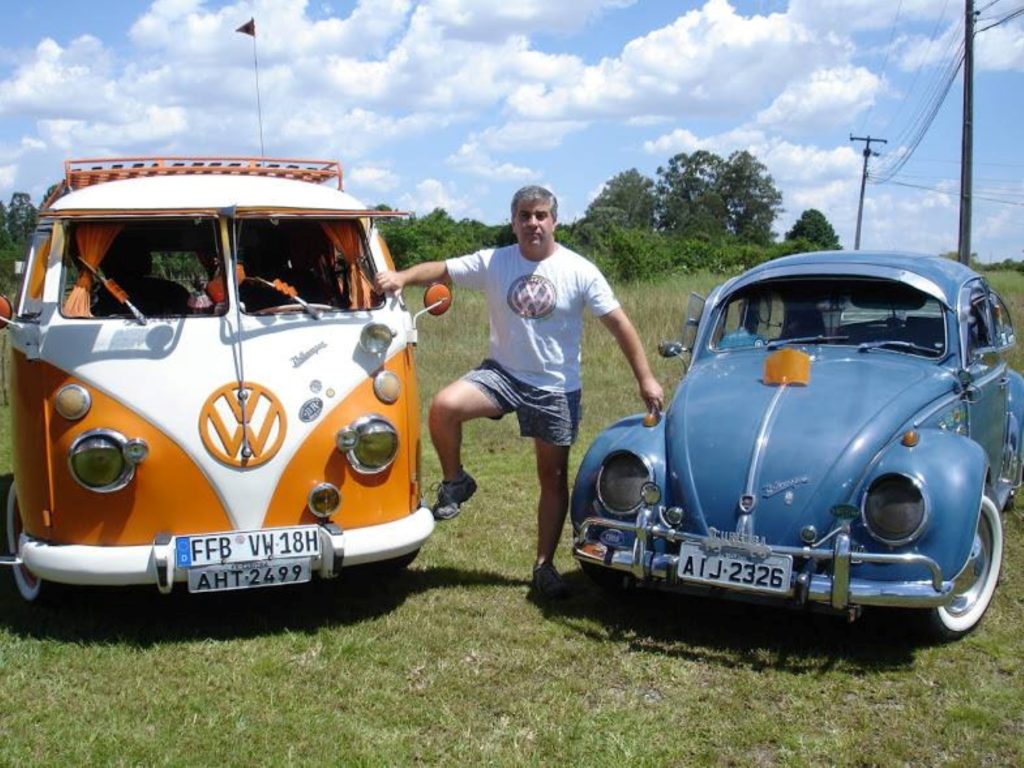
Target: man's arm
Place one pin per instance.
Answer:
(617, 322)
(418, 274)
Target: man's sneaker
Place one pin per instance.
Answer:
(450, 494)
(547, 582)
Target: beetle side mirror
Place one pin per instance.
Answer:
(670, 348)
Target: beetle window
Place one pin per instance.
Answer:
(160, 268)
(833, 311)
(1002, 323)
(979, 324)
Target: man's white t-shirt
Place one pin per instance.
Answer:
(536, 310)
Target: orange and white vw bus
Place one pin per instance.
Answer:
(206, 389)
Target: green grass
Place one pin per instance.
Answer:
(450, 663)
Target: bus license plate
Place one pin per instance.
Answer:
(223, 578)
(246, 546)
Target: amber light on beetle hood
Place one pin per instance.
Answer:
(787, 366)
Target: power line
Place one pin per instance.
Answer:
(1008, 17)
(944, 191)
(920, 66)
(888, 51)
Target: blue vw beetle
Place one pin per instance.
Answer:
(847, 435)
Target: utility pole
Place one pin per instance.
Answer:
(967, 141)
(863, 180)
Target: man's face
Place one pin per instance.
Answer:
(534, 228)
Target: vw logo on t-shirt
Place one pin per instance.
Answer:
(532, 297)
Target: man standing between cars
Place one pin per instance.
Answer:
(536, 292)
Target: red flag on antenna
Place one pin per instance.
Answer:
(249, 28)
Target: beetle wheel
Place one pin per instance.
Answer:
(975, 585)
(29, 585)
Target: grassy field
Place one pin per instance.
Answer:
(450, 663)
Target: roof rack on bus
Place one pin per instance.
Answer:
(85, 173)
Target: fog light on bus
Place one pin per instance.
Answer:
(387, 387)
(346, 439)
(135, 450)
(324, 500)
(72, 401)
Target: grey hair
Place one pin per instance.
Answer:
(531, 193)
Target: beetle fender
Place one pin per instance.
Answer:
(628, 434)
(951, 470)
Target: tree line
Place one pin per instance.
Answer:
(702, 212)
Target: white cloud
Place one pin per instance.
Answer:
(528, 135)
(55, 81)
(708, 61)
(470, 158)
(1001, 48)
(827, 98)
(144, 126)
(373, 178)
(431, 194)
(679, 140)
(487, 20)
(859, 15)
(7, 175)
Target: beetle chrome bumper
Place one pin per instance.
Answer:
(154, 563)
(838, 591)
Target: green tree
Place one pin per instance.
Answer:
(751, 199)
(702, 195)
(813, 227)
(627, 200)
(687, 197)
(20, 217)
(5, 237)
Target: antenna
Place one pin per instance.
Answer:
(249, 28)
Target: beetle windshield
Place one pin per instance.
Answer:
(870, 314)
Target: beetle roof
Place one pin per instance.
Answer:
(935, 275)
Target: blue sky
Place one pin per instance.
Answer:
(456, 103)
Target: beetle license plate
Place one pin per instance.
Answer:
(222, 578)
(735, 569)
(246, 546)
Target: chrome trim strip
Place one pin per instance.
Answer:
(839, 590)
(757, 456)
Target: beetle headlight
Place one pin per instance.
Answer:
(371, 444)
(894, 509)
(98, 460)
(620, 483)
(375, 338)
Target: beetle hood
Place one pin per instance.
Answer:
(793, 451)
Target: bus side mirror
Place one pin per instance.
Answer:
(6, 312)
(437, 299)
